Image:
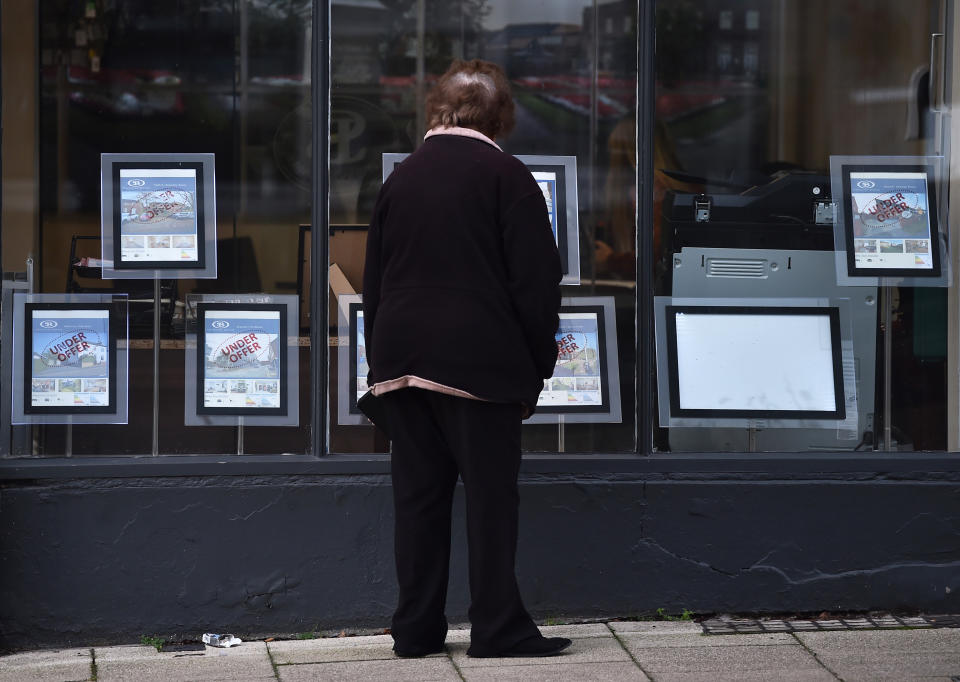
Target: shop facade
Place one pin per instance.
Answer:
(701, 159)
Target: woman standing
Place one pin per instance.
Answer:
(460, 302)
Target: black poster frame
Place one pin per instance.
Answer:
(203, 307)
(833, 313)
(847, 207)
(201, 237)
(114, 327)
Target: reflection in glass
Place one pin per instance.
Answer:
(573, 68)
(752, 99)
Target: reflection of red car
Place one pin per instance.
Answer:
(141, 92)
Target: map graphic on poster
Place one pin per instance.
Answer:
(548, 185)
(241, 367)
(577, 378)
(70, 358)
(891, 220)
(158, 215)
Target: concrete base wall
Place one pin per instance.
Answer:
(107, 560)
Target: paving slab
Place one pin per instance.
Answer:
(558, 672)
(637, 640)
(773, 660)
(720, 676)
(656, 627)
(55, 664)
(887, 654)
(583, 650)
(249, 661)
(430, 669)
(332, 649)
(576, 631)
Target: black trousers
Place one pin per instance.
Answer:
(437, 437)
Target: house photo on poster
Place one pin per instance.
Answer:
(557, 178)
(241, 363)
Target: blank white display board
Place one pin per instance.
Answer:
(755, 362)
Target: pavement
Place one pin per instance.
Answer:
(607, 652)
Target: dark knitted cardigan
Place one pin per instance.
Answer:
(462, 274)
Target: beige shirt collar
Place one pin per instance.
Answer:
(463, 132)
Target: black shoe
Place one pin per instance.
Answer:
(417, 653)
(537, 645)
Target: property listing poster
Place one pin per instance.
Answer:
(362, 367)
(548, 185)
(70, 362)
(891, 221)
(241, 367)
(577, 381)
(158, 215)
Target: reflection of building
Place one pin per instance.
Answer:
(616, 34)
(535, 49)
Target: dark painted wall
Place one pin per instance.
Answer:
(86, 561)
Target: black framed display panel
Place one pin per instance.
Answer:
(169, 215)
(833, 314)
(239, 349)
(601, 372)
(355, 381)
(558, 208)
(905, 212)
(76, 346)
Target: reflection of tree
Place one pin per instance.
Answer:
(448, 22)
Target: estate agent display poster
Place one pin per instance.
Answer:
(557, 178)
(887, 220)
(69, 359)
(159, 216)
(241, 363)
(352, 367)
(585, 386)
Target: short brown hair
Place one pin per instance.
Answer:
(472, 94)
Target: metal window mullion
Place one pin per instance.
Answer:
(646, 74)
(319, 327)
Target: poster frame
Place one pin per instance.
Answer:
(205, 267)
(940, 275)
(22, 411)
(203, 308)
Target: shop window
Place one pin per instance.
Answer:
(744, 211)
(228, 79)
(569, 104)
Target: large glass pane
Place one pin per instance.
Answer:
(572, 65)
(232, 79)
(752, 100)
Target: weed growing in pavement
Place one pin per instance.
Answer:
(156, 642)
(684, 615)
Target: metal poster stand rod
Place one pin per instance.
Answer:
(68, 449)
(752, 433)
(887, 325)
(561, 445)
(239, 435)
(156, 366)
